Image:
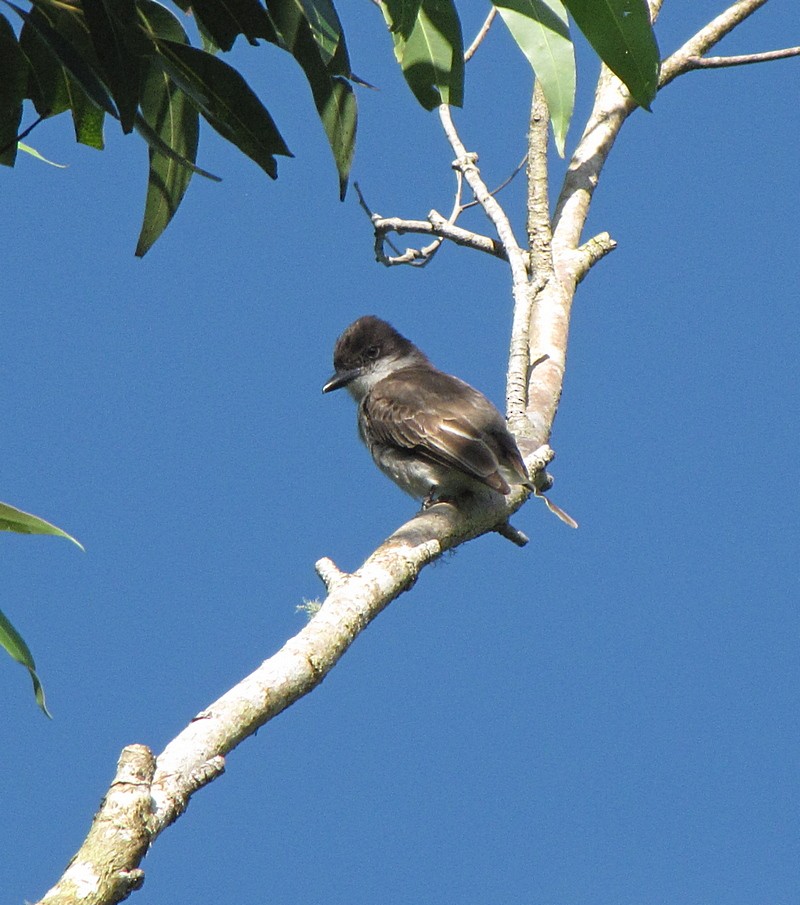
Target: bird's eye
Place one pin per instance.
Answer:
(373, 351)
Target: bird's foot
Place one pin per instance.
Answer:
(433, 500)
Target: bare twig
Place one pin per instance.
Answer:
(509, 532)
(435, 225)
(540, 235)
(741, 60)
(484, 30)
(506, 182)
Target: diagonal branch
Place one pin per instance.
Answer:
(613, 104)
(469, 53)
(147, 794)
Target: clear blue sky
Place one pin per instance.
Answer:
(607, 716)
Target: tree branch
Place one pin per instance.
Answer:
(540, 251)
(148, 794)
(435, 225)
(613, 104)
(700, 43)
(741, 60)
(469, 53)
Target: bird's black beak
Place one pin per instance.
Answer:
(340, 379)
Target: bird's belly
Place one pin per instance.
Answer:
(412, 474)
(420, 477)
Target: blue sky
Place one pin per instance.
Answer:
(607, 716)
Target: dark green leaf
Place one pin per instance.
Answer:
(227, 102)
(621, 33)
(225, 20)
(13, 84)
(404, 15)
(87, 118)
(429, 48)
(47, 81)
(541, 30)
(12, 641)
(71, 59)
(327, 31)
(12, 519)
(333, 97)
(339, 114)
(158, 144)
(119, 46)
(170, 115)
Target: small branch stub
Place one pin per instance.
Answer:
(330, 574)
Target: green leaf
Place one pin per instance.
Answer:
(47, 81)
(228, 103)
(12, 641)
(158, 144)
(429, 47)
(86, 118)
(621, 33)
(13, 83)
(170, 115)
(404, 15)
(114, 29)
(541, 29)
(12, 519)
(225, 20)
(34, 153)
(333, 96)
(339, 113)
(327, 31)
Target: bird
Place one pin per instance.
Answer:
(438, 438)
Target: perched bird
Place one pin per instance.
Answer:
(435, 436)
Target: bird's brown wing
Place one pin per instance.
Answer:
(449, 422)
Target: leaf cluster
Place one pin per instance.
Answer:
(132, 60)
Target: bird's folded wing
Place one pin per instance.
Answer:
(457, 427)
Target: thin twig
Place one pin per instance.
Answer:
(741, 60)
(379, 240)
(24, 134)
(470, 51)
(506, 182)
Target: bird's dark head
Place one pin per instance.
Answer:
(367, 351)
